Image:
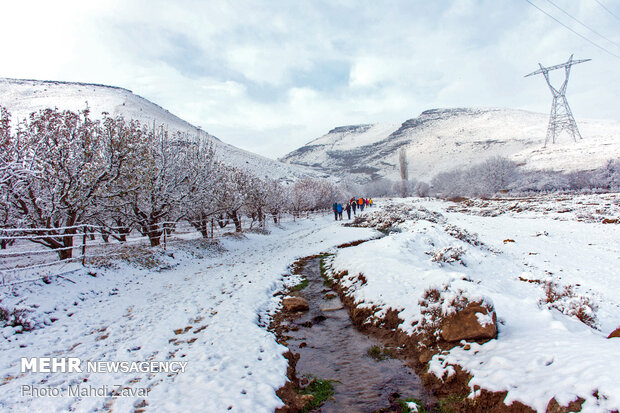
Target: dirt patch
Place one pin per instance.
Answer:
(354, 243)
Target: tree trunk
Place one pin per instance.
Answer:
(236, 219)
(154, 232)
(154, 237)
(66, 250)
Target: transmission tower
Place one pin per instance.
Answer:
(561, 117)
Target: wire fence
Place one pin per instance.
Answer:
(27, 255)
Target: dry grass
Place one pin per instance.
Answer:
(14, 318)
(447, 255)
(567, 301)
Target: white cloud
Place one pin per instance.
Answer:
(271, 76)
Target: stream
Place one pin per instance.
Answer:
(330, 347)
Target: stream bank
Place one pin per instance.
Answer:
(325, 345)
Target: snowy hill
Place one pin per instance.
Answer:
(442, 139)
(21, 97)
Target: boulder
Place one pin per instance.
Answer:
(295, 304)
(615, 333)
(474, 322)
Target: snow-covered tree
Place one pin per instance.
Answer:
(276, 199)
(126, 144)
(159, 184)
(422, 189)
(204, 184)
(8, 217)
(60, 164)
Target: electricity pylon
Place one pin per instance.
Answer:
(561, 117)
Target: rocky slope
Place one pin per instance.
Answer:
(442, 139)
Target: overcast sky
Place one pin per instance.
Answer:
(269, 76)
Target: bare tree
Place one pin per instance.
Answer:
(403, 163)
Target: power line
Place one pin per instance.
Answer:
(578, 34)
(608, 11)
(583, 24)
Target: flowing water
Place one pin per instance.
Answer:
(331, 348)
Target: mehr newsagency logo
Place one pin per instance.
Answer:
(77, 365)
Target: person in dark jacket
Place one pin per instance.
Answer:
(354, 206)
(348, 209)
(335, 209)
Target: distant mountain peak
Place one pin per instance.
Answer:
(351, 129)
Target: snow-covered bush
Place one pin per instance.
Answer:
(497, 174)
(567, 301)
(422, 189)
(484, 179)
(313, 194)
(15, 318)
(378, 188)
(447, 255)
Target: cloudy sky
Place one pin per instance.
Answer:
(269, 76)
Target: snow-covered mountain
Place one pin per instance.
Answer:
(21, 97)
(443, 139)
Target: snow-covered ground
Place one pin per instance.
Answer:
(207, 305)
(543, 350)
(204, 306)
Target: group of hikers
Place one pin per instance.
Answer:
(352, 205)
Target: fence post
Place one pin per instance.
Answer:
(84, 230)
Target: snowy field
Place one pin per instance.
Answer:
(549, 266)
(203, 306)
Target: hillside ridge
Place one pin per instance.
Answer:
(442, 139)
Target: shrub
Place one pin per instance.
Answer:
(14, 318)
(567, 301)
(447, 255)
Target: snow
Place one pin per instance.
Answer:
(443, 139)
(412, 406)
(351, 140)
(542, 351)
(206, 306)
(22, 97)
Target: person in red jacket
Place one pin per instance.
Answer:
(360, 202)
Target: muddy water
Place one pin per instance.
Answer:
(331, 348)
